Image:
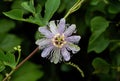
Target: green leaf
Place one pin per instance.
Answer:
(1, 77)
(2, 55)
(114, 9)
(99, 24)
(2, 35)
(95, 2)
(50, 8)
(2, 66)
(10, 60)
(6, 25)
(16, 14)
(7, 59)
(9, 42)
(35, 20)
(38, 16)
(16, 4)
(97, 40)
(99, 44)
(100, 66)
(38, 10)
(94, 37)
(28, 72)
(27, 6)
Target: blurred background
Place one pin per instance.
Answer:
(98, 24)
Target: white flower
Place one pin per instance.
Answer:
(58, 41)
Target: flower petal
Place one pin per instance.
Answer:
(73, 39)
(65, 54)
(74, 48)
(46, 51)
(56, 56)
(53, 27)
(43, 43)
(61, 26)
(70, 30)
(45, 32)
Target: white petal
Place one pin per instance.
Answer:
(43, 42)
(74, 48)
(73, 39)
(46, 51)
(61, 26)
(65, 54)
(56, 57)
(70, 30)
(53, 27)
(45, 32)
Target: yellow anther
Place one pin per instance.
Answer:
(59, 40)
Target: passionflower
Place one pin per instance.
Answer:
(58, 42)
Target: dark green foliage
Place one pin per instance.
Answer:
(97, 22)
(28, 72)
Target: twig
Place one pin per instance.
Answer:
(21, 63)
(28, 57)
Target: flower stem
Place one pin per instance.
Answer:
(21, 63)
(19, 55)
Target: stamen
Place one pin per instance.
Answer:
(58, 40)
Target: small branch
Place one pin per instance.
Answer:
(28, 57)
(8, 75)
(21, 63)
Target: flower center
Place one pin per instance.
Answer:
(58, 40)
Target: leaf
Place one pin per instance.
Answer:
(28, 72)
(17, 4)
(9, 42)
(95, 2)
(1, 77)
(38, 10)
(7, 59)
(114, 9)
(6, 25)
(50, 8)
(98, 45)
(97, 40)
(2, 55)
(16, 14)
(35, 20)
(10, 60)
(2, 66)
(27, 6)
(38, 16)
(100, 66)
(99, 24)
(2, 35)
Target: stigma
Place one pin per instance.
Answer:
(58, 40)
